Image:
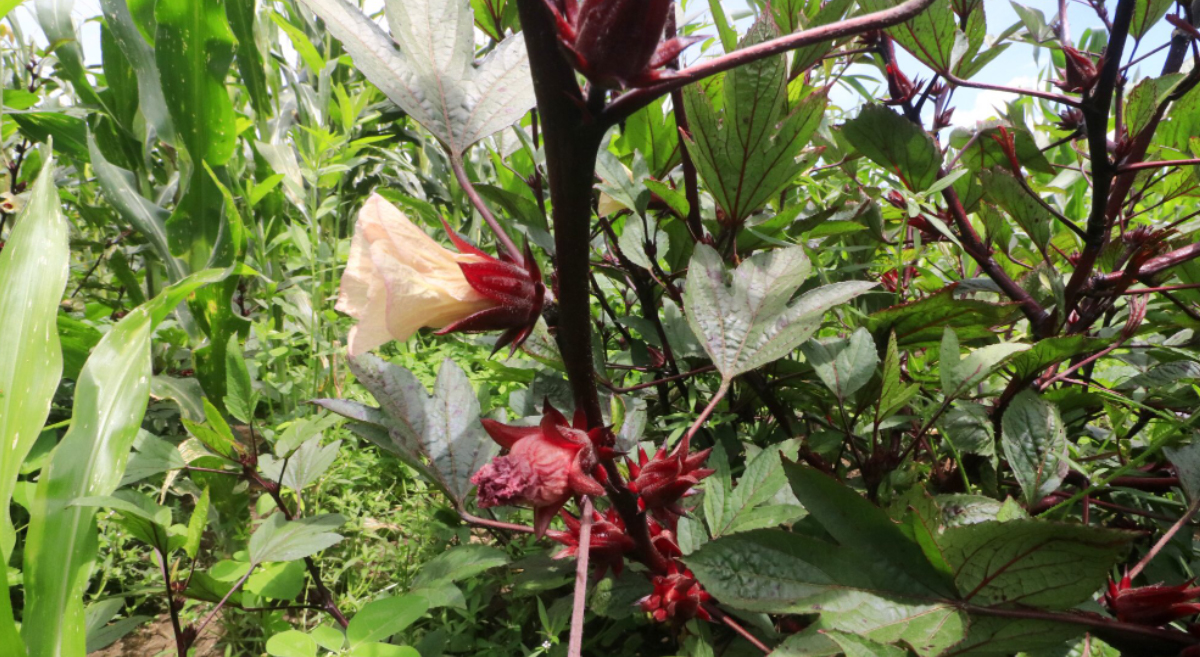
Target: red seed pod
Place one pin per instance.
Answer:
(617, 43)
(516, 288)
(677, 597)
(545, 465)
(1153, 605)
(1070, 119)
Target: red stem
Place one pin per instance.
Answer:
(632, 101)
(575, 647)
(1138, 166)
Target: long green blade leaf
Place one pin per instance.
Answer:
(34, 267)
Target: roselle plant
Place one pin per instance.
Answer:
(931, 571)
(691, 328)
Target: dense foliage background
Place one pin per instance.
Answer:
(906, 293)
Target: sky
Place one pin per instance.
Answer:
(1019, 66)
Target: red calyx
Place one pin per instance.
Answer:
(677, 597)
(1080, 74)
(516, 286)
(617, 43)
(661, 482)
(1151, 605)
(607, 545)
(545, 465)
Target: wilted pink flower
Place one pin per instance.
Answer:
(545, 466)
(617, 43)
(662, 481)
(677, 597)
(399, 280)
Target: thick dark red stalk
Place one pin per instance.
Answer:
(572, 141)
(1096, 109)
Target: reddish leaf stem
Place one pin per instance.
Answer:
(575, 647)
(632, 101)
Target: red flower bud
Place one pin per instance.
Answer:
(617, 43)
(900, 87)
(661, 482)
(545, 466)
(1151, 605)
(677, 597)
(515, 287)
(1080, 74)
(607, 545)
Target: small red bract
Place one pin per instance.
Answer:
(677, 597)
(545, 466)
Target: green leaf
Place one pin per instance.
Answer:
(153, 456)
(1035, 444)
(120, 190)
(749, 323)
(68, 133)
(844, 364)
(434, 74)
(960, 376)
(651, 131)
(140, 516)
(865, 528)
(376, 649)
(1031, 562)
(746, 151)
(34, 266)
(1163, 375)
(193, 47)
(280, 581)
(110, 400)
(922, 322)
(1144, 100)
(120, 21)
(728, 34)
(896, 144)
(857, 646)
(1003, 189)
(305, 466)
(382, 618)
(1145, 14)
(241, 399)
(459, 563)
(893, 394)
(442, 428)
(929, 35)
(329, 638)
(291, 643)
(196, 525)
(1003, 637)
(8, 5)
(1052, 351)
(739, 509)
(830, 11)
(279, 539)
(241, 15)
(969, 429)
(774, 571)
